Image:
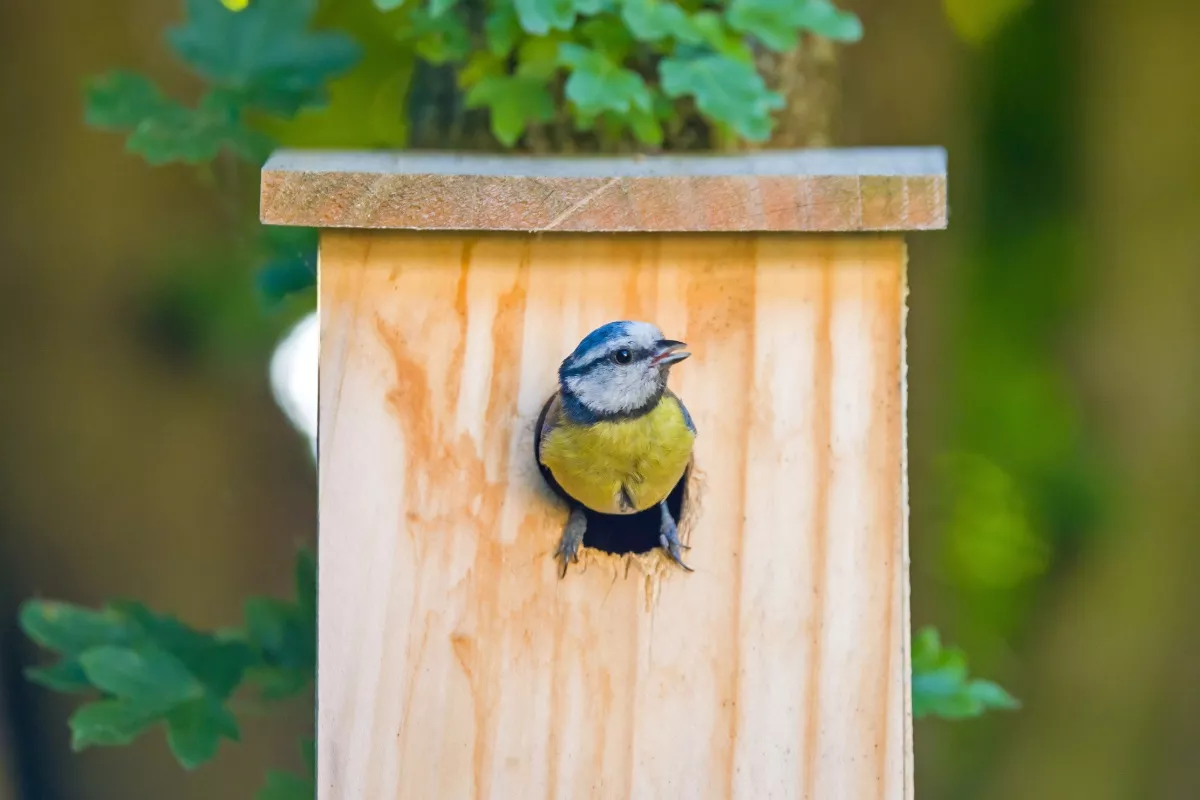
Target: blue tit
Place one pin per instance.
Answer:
(614, 438)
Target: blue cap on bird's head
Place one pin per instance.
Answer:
(620, 368)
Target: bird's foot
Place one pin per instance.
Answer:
(571, 542)
(668, 537)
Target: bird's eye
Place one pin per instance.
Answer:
(622, 356)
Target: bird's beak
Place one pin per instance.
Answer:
(668, 352)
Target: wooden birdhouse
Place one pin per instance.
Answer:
(453, 660)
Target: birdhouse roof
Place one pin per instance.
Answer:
(842, 190)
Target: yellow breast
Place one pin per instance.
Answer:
(640, 459)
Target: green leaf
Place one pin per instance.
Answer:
(279, 683)
(645, 126)
(66, 676)
(716, 34)
(71, 629)
(598, 84)
(266, 53)
(108, 723)
(280, 632)
(607, 34)
(196, 136)
(977, 21)
(654, 20)
(149, 678)
(218, 664)
(727, 91)
(388, 5)
(538, 57)
(195, 730)
(514, 102)
(777, 23)
(286, 786)
(941, 685)
(439, 7)
(438, 40)
(825, 19)
(286, 275)
(502, 30)
(926, 649)
(121, 100)
(539, 17)
(164, 131)
(992, 695)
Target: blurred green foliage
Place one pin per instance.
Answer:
(151, 670)
(941, 686)
(339, 74)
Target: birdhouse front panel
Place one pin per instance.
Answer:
(455, 658)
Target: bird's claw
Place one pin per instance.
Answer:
(669, 539)
(571, 542)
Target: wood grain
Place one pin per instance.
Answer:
(801, 190)
(454, 663)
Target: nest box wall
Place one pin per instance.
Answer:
(453, 661)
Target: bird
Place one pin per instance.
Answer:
(613, 437)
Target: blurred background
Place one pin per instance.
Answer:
(1054, 385)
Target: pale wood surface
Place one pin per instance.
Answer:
(798, 190)
(454, 663)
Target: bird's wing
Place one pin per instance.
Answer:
(547, 421)
(549, 418)
(687, 417)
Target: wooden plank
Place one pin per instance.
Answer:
(801, 190)
(455, 663)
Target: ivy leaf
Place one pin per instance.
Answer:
(217, 663)
(513, 102)
(941, 686)
(108, 723)
(286, 786)
(777, 23)
(195, 730)
(992, 695)
(599, 84)
(727, 91)
(70, 629)
(538, 57)
(609, 35)
(825, 19)
(539, 17)
(502, 30)
(645, 126)
(162, 130)
(67, 676)
(197, 136)
(713, 31)
(280, 632)
(121, 100)
(654, 20)
(147, 677)
(437, 39)
(265, 53)
(286, 275)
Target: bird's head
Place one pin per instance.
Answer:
(619, 368)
